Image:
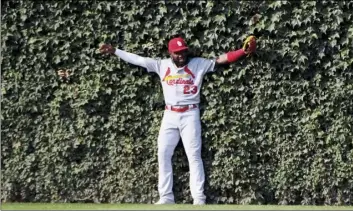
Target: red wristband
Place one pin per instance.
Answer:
(233, 56)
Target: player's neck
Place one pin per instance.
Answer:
(180, 65)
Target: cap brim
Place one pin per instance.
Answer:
(179, 49)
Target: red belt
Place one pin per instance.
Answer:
(181, 108)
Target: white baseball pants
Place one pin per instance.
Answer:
(188, 126)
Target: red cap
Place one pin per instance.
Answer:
(177, 44)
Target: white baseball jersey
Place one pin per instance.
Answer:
(181, 86)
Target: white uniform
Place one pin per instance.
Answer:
(181, 86)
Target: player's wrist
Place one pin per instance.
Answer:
(115, 51)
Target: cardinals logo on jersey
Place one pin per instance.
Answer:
(179, 78)
(188, 71)
(167, 73)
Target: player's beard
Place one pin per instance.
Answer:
(180, 62)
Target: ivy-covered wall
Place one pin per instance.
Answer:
(277, 126)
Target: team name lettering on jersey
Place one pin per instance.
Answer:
(179, 78)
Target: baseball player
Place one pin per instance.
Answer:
(181, 77)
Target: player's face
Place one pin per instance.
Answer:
(179, 57)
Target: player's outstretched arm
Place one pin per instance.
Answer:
(248, 48)
(131, 58)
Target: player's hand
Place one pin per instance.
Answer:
(107, 49)
(249, 45)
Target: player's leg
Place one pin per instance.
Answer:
(167, 141)
(190, 129)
